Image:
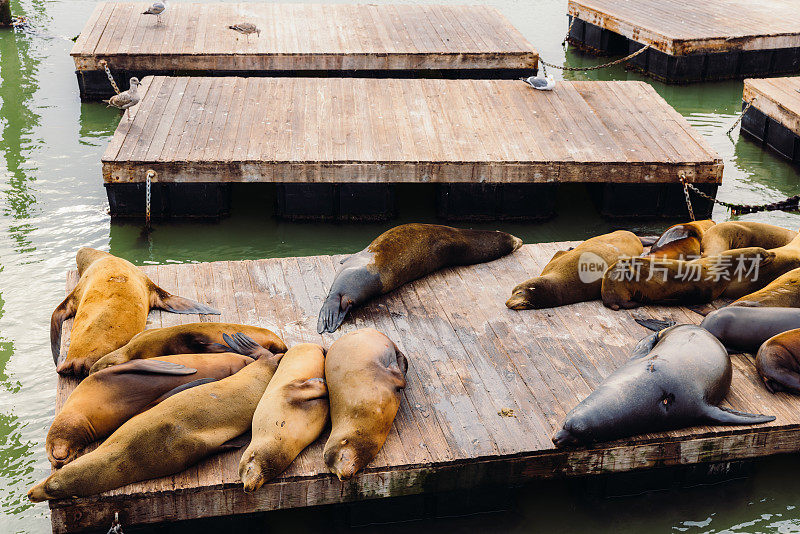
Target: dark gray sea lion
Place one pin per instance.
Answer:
(403, 254)
(675, 378)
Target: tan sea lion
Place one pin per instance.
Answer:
(742, 234)
(110, 305)
(292, 414)
(105, 400)
(186, 339)
(365, 372)
(786, 259)
(778, 362)
(403, 254)
(632, 282)
(574, 275)
(783, 292)
(169, 437)
(681, 241)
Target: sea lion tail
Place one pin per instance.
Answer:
(331, 315)
(64, 311)
(656, 325)
(176, 304)
(727, 416)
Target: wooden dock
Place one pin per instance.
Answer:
(774, 115)
(470, 360)
(322, 131)
(388, 40)
(693, 41)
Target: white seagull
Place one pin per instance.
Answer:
(542, 84)
(126, 99)
(158, 7)
(246, 28)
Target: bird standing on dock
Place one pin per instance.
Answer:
(246, 28)
(542, 84)
(126, 99)
(157, 9)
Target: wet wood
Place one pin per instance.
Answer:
(300, 37)
(487, 388)
(677, 27)
(285, 130)
(777, 98)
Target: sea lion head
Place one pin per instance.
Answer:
(68, 434)
(45, 490)
(259, 466)
(535, 294)
(343, 460)
(86, 256)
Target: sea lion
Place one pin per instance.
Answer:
(740, 329)
(778, 362)
(783, 292)
(742, 234)
(675, 378)
(365, 372)
(169, 437)
(110, 305)
(402, 254)
(681, 241)
(291, 414)
(186, 339)
(631, 282)
(105, 400)
(574, 275)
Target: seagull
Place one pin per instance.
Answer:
(542, 84)
(126, 99)
(158, 7)
(246, 28)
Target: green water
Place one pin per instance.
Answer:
(52, 202)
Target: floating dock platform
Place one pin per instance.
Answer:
(495, 148)
(693, 41)
(297, 39)
(487, 388)
(773, 117)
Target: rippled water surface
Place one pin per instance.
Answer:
(52, 202)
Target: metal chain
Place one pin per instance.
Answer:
(104, 64)
(569, 30)
(580, 69)
(688, 200)
(746, 108)
(148, 177)
(789, 204)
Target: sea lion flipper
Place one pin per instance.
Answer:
(727, 416)
(331, 315)
(183, 387)
(648, 240)
(177, 304)
(64, 311)
(245, 345)
(153, 366)
(645, 345)
(655, 325)
(238, 442)
(303, 390)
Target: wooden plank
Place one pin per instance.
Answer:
(407, 130)
(778, 98)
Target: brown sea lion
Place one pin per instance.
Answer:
(783, 292)
(403, 254)
(169, 437)
(632, 282)
(742, 234)
(787, 258)
(110, 305)
(681, 241)
(778, 362)
(186, 339)
(292, 414)
(365, 373)
(105, 400)
(574, 275)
